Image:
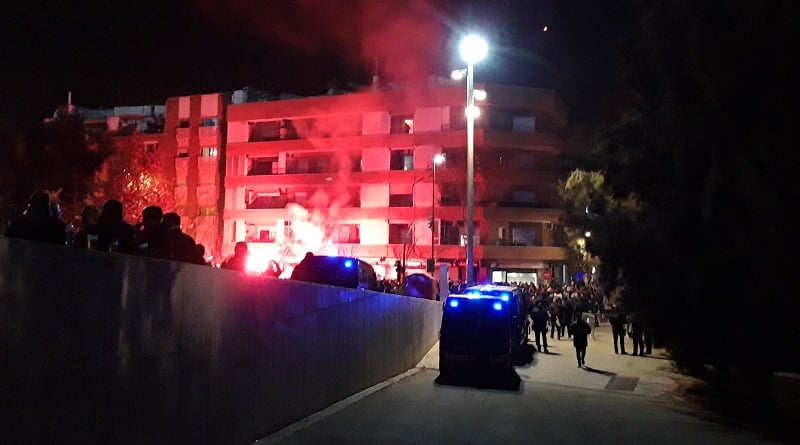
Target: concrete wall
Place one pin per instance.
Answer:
(102, 347)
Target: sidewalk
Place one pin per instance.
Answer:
(651, 376)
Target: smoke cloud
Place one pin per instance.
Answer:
(407, 39)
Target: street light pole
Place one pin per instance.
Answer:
(470, 173)
(438, 159)
(473, 49)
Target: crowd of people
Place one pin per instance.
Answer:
(157, 234)
(572, 312)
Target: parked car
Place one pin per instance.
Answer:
(339, 271)
(420, 285)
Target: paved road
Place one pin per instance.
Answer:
(619, 399)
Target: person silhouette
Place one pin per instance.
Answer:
(111, 231)
(38, 223)
(580, 332)
(239, 259)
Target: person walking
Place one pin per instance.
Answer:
(618, 323)
(567, 312)
(539, 318)
(580, 338)
(555, 322)
(648, 340)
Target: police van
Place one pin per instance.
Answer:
(517, 300)
(477, 332)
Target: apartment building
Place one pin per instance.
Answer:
(353, 174)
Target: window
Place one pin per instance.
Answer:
(184, 123)
(397, 233)
(263, 166)
(402, 124)
(150, 147)
(308, 164)
(401, 160)
(209, 152)
(344, 233)
(458, 118)
(265, 131)
(401, 200)
(210, 121)
(450, 232)
(208, 211)
(183, 152)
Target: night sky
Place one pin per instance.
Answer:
(134, 53)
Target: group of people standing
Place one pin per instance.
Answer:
(575, 315)
(622, 325)
(158, 234)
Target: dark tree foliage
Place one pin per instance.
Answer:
(57, 156)
(137, 178)
(707, 151)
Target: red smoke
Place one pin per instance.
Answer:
(407, 38)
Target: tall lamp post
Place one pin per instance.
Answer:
(473, 49)
(438, 159)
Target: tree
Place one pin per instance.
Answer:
(56, 155)
(137, 178)
(697, 173)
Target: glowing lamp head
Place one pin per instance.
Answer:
(473, 112)
(438, 159)
(458, 74)
(473, 48)
(479, 94)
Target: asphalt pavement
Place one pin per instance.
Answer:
(645, 391)
(651, 375)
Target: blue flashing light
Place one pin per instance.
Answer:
(348, 263)
(497, 307)
(453, 303)
(474, 292)
(505, 296)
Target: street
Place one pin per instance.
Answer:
(617, 399)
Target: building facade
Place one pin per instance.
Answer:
(353, 174)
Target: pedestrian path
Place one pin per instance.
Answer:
(652, 376)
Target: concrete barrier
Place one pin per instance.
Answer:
(103, 347)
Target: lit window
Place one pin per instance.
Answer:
(209, 152)
(402, 124)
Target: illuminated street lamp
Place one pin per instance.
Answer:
(473, 49)
(438, 159)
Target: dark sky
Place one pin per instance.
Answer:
(132, 53)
